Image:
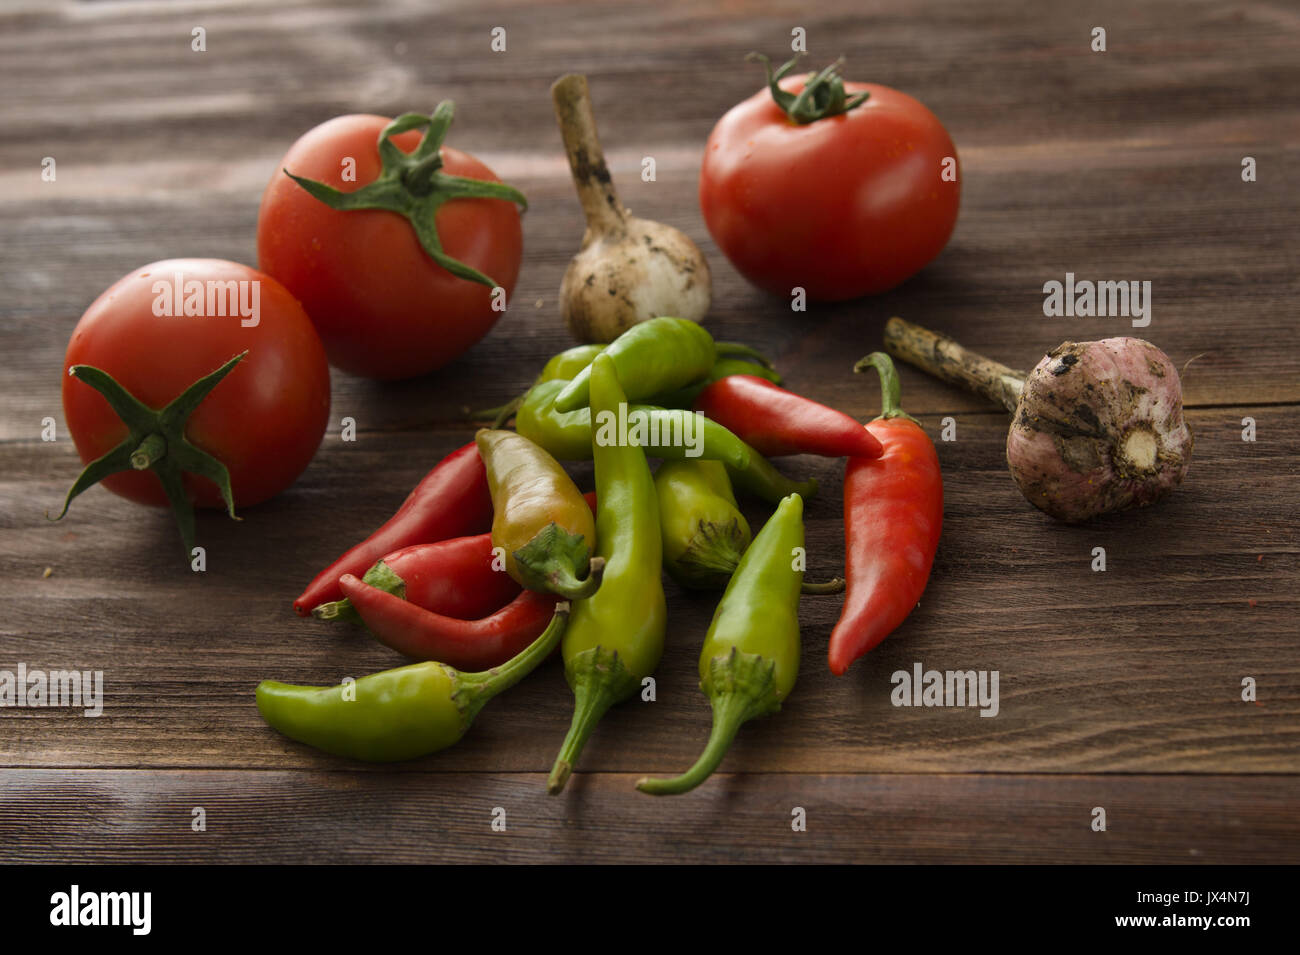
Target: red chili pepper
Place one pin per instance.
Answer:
(458, 578)
(893, 513)
(451, 501)
(774, 421)
(464, 644)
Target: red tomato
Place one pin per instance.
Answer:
(263, 421)
(844, 206)
(383, 307)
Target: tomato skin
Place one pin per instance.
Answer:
(383, 307)
(264, 421)
(842, 207)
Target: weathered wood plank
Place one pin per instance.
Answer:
(301, 817)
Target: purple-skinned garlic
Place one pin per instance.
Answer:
(1096, 426)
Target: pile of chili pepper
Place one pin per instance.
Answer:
(496, 559)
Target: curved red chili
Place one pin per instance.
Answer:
(774, 421)
(893, 514)
(464, 644)
(451, 501)
(457, 578)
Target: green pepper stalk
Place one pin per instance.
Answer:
(750, 657)
(398, 714)
(617, 636)
(660, 355)
(763, 481)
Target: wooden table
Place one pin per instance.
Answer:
(1120, 689)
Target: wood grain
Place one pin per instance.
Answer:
(330, 818)
(1122, 165)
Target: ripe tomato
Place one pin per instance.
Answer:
(383, 307)
(264, 420)
(844, 206)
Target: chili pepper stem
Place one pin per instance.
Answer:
(738, 350)
(380, 576)
(550, 560)
(942, 357)
(498, 415)
(599, 680)
(743, 689)
(833, 586)
(766, 483)
(714, 549)
(478, 688)
(891, 389)
(340, 610)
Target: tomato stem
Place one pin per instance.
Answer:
(823, 94)
(156, 441)
(150, 450)
(414, 186)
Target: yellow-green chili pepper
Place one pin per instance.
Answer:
(659, 355)
(704, 533)
(567, 364)
(540, 518)
(398, 714)
(750, 657)
(617, 636)
(568, 435)
(723, 367)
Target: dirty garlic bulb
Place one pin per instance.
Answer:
(628, 269)
(1096, 426)
(1099, 428)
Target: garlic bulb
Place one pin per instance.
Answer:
(1099, 428)
(1096, 426)
(628, 269)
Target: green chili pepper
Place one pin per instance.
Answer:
(568, 437)
(761, 480)
(704, 534)
(617, 635)
(398, 714)
(567, 364)
(685, 397)
(652, 357)
(750, 657)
